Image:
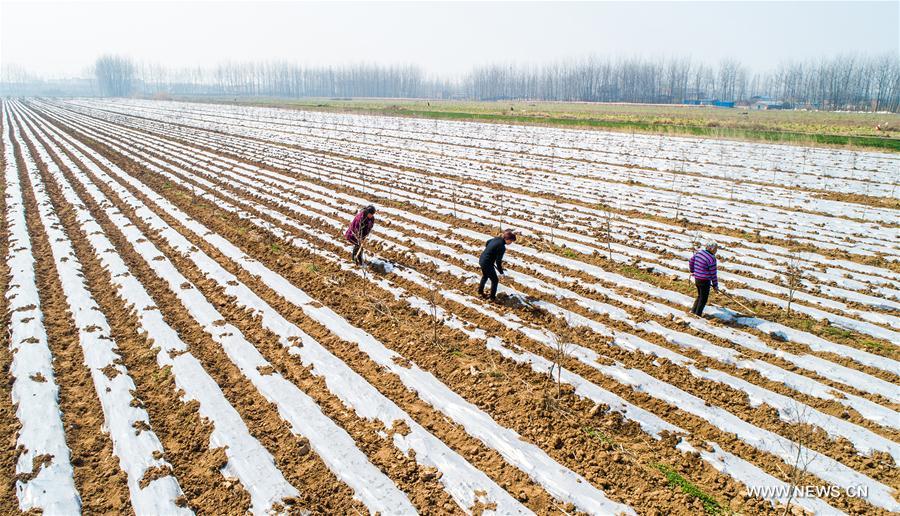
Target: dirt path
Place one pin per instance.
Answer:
(567, 441)
(513, 395)
(801, 322)
(99, 480)
(422, 485)
(763, 416)
(179, 426)
(767, 416)
(320, 491)
(9, 424)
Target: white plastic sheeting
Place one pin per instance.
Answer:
(34, 390)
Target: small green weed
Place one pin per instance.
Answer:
(676, 480)
(593, 433)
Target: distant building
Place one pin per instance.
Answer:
(765, 103)
(709, 102)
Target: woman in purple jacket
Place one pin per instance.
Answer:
(359, 229)
(704, 274)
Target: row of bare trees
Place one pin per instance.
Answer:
(851, 82)
(280, 79)
(845, 82)
(115, 75)
(607, 80)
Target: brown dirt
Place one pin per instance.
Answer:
(716, 394)
(535, 403)
(178, 425)
(868, 200)
(435, 361)
(606, 265)
(540, 432)
(688, 225)
(422, 486)
(320, 491)
(98, 478)
(9, 424)
(802, 322)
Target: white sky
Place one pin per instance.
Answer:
(62, 39)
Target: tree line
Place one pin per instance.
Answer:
(849, 82)
(287, 80)
(858, 83)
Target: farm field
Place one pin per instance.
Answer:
(186, 333)
(862, 130)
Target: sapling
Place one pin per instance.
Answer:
(391, 186)
(731, 193)
(793, 277)
(453, 198)
(380, 307)
(561, 349)
(435, 316)
(608, 230)
(799, 436)
(556, 217)
(678, 203)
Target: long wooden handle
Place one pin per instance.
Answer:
(745, 307)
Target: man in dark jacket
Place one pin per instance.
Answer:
(491, 257)
(359, 229)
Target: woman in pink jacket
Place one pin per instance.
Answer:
(359, 229)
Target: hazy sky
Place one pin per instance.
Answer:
(57, 39)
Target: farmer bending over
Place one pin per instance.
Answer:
(358, 231)
(704, 274)
(491, 257)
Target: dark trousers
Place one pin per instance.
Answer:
(488, 273)
(702, 296)
(357, 254)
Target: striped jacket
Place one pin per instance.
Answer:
(703, 267)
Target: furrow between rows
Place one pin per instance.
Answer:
(561, 482)
(43, 475)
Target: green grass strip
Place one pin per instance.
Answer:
(890, 144)
(676, 480)
(596, 434)
(642, 126)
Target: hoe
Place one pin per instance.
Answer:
(742, 305)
